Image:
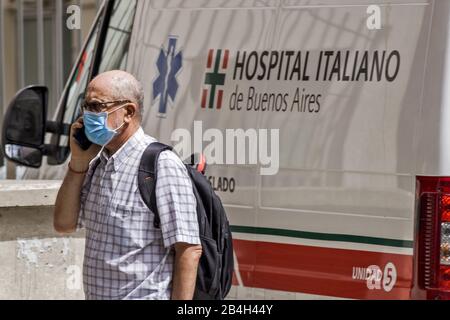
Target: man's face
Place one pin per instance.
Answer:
(115, 119)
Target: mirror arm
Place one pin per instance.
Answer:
(58, 128)
(49, 149)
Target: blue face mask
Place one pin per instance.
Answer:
(96, 127)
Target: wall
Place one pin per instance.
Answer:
(35, 262)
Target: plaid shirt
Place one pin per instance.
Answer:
(125, 256)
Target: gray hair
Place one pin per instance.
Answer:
(128, 88)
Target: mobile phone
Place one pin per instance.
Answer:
(81, 139)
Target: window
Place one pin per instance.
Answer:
(114, 45)
(114, 54)
(117, 42)
(79, 82)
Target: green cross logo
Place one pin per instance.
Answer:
(215, 78)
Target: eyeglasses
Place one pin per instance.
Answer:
(97, 106)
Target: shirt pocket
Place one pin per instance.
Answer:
(134, 225)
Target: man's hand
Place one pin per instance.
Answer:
(187, 258)
(80, 159)
(67, 204)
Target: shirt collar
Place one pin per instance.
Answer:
(124, 152)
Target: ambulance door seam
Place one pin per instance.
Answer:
(271, 42)
(418, 131)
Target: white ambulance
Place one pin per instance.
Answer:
(359, 206)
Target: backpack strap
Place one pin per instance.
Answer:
(147, 177)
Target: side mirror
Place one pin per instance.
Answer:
(24, 127)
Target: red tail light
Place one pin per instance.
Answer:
(432, 251)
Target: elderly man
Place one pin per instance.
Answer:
(126, 257)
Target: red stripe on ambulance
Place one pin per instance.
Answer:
(324, 271)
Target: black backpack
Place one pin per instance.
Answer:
(215, 270)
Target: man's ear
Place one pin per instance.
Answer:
(131, 112)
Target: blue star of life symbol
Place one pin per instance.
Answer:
(169, 64)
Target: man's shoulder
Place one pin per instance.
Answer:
(147, 140)
(169, 158)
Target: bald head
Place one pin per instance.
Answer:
(119, 85)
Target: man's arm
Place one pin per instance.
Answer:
(177, 207)
(187, 258)
(67, 206)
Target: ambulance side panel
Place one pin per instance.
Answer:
(341, 207)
